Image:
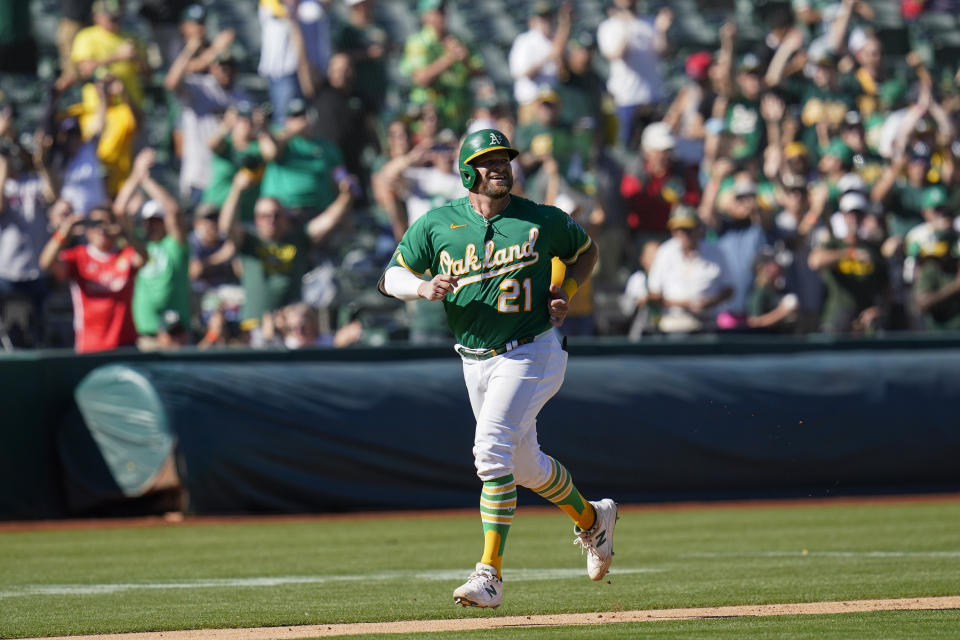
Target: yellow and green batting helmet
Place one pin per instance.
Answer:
(477, 144)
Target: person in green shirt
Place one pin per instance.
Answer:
(936, 286)
(825, 101)
(770, 306)
(274, 254)
(742, 119)
(901, 188)
(936, 283)
(303, 170)
(440, 66)
(235, 148)
(864, 161)
(163, 284)
(548, 136)
(581, 90)
(835, 162)
(854, 273)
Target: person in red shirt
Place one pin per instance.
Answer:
(654, 185)
(101, 276)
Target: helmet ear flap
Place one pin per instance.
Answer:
(468, 175)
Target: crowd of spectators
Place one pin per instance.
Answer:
(802, 181)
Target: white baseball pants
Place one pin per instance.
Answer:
(506, 394)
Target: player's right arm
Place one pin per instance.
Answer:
(401, 283)
(403, 277)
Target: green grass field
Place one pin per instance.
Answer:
(402, 568)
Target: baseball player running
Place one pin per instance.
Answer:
(489, 255)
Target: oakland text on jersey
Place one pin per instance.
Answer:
(513, 257)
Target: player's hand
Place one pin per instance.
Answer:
(557, 305)
(438, 287)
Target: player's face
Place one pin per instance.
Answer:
(494, 174)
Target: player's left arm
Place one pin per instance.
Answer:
(577, 273)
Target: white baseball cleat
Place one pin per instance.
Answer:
(482, 589)
(598, 539)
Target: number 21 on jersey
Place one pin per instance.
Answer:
(511, 290)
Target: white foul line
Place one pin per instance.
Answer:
(515, 575)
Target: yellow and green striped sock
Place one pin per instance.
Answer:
(559, 490)
(498, 500)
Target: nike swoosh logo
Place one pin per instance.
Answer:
(457, 226)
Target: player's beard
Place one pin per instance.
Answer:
(496, 190)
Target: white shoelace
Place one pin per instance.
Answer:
(585, 540)
(481, 577)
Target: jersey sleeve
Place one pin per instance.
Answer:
(568, 240)
(414, 251)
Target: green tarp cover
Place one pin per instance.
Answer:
(332, 436)
(128, 423)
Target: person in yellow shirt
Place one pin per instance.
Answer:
(113, 124)
(103, 46)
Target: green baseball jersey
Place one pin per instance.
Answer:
(503, 265)
(163, 283)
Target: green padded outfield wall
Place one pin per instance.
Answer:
(337, 436)
(326, 430)
(38, 419)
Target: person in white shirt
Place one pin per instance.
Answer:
(535, 54)
(688, 278)
(294, 40)
(633, 300)
(203, 80)
(633, 45)
(24, 198)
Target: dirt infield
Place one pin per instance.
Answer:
(494, 622)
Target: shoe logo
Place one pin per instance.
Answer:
(491, 590)
(457, 226)
(602, 538)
